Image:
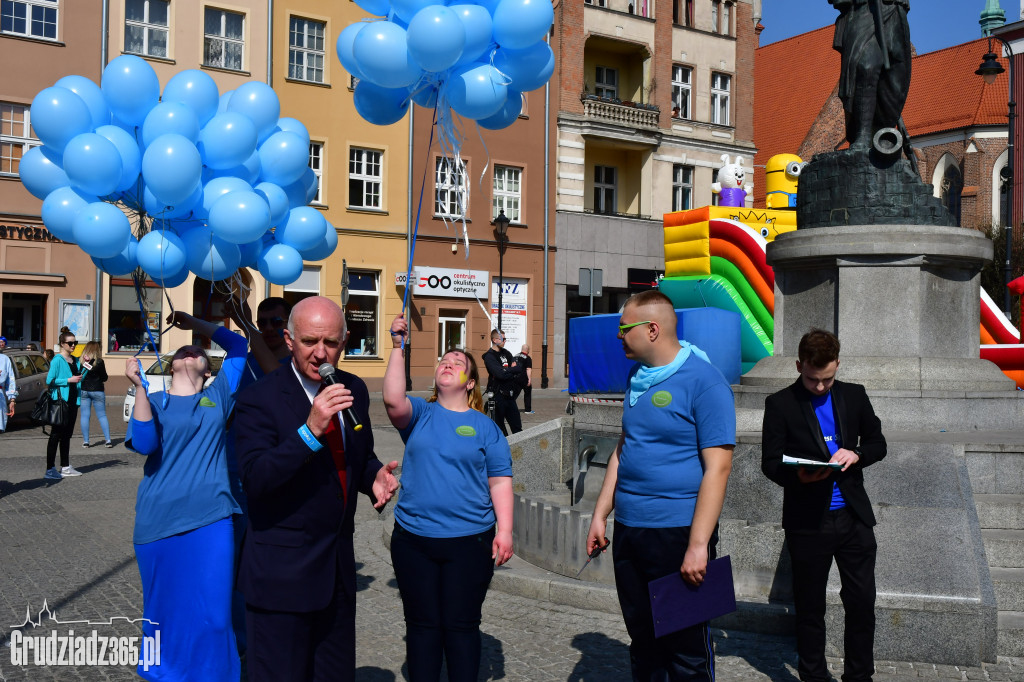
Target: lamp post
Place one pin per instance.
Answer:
(989, 69)
(500, 231)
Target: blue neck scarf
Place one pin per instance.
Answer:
(648, 376)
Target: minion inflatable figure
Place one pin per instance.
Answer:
(780, 180)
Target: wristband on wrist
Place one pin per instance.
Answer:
(309, 439)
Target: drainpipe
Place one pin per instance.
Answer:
(547, 227)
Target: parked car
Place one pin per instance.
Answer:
(159, 376)
(30, 370)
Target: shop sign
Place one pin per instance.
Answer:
(513, 310)
(26, 232)
(448, 283)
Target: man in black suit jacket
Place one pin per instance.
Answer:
(826, 512)
(297, 568)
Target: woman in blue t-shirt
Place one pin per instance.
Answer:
(183, 537)
(453, 521)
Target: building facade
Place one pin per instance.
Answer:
(649, 98)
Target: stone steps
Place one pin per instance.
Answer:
(1010, 639)
(1009, 587)
(1004, 547)
(1000, 511)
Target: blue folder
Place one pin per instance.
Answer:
(676, 604)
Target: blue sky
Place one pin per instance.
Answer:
(934, 24)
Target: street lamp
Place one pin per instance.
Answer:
(989, 69)
(500, 231)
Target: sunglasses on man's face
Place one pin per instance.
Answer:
(276, 322)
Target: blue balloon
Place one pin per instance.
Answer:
(248, 170)
(92, 164)
(197, 90)
(527, 69)
(518, 24)
(259, 102)
(507, 115)
(209, 256)
(171, 280)
(382, 53)
(240, 217)
(476, 91)
(41, 173)
(121, 264)
(293, 125)
(378, 105)
(250, 253)
(296, 193)
(182, 209)
(343, 47)
(228, 140)
(218, 187)
(407, 9)
(60, 208)
(101, 230)
(280, 264)
(425, 94)
(170, 117)
(128, 150)
(171, 168)
(91, 95)
(397, 20)
(303, 229)
(311, 182)
(58, 115)
(225, 99)
(131, 88)
(283, 158)
(378, 8)
(275, 198)
(476, 21)
(435, 38)
(161, 253)
(325, 248)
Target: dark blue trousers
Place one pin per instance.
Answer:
(642, 555)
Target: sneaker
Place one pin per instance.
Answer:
(109, 444)
(530, 412)
(70, 471)
(85, 445)
(53, 474)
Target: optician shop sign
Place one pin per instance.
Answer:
(449, 283)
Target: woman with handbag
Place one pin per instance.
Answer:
(62, 381)
(94, 375)
(453, 521)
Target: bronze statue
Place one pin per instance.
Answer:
(873, 37)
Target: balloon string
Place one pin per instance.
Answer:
(416, 226)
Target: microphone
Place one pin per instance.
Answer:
(326, 372)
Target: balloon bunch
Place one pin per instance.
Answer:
(474, 59)
(190, 181)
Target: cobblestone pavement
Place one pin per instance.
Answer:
(68, 544)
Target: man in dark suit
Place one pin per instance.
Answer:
(302, 468)
(826, 512)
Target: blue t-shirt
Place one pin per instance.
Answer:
(448, 458)
(660, 469)
(185, 479)
(827, 421)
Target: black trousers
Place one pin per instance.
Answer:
(642, 555)
(846, 538)
(443, 582)
(60, 436)
(528, 398)
(505, 409)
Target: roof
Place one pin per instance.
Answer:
(795, 78)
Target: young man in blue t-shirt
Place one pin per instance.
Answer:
(826, 512)
(666, 481)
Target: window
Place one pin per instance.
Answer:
(364, 177)
(361, 312)
(451, 331)
(595, 3)
(316, 162)
(716, 198)
(720, 98)
(725, 28)
(308, 284)
(682, 12)
(306, 51)
(681, 91)
(682, 187)
(507, 192)
(604, 189)
(716, 11)
(145, 27)
(225, 39)
(606, 84)
(15, 136)
(32, 18)
(451, 197)
(128, 325)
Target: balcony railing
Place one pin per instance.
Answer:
(617, 214)
(634, 115)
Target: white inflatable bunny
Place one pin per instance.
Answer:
(730, 187)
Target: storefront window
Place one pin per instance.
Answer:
(361, 313)
(129, 324)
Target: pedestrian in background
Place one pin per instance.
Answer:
(63, 378)
(94, 375)
(502, 375)
(8, 387)
(453, 521)
(526, 378)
